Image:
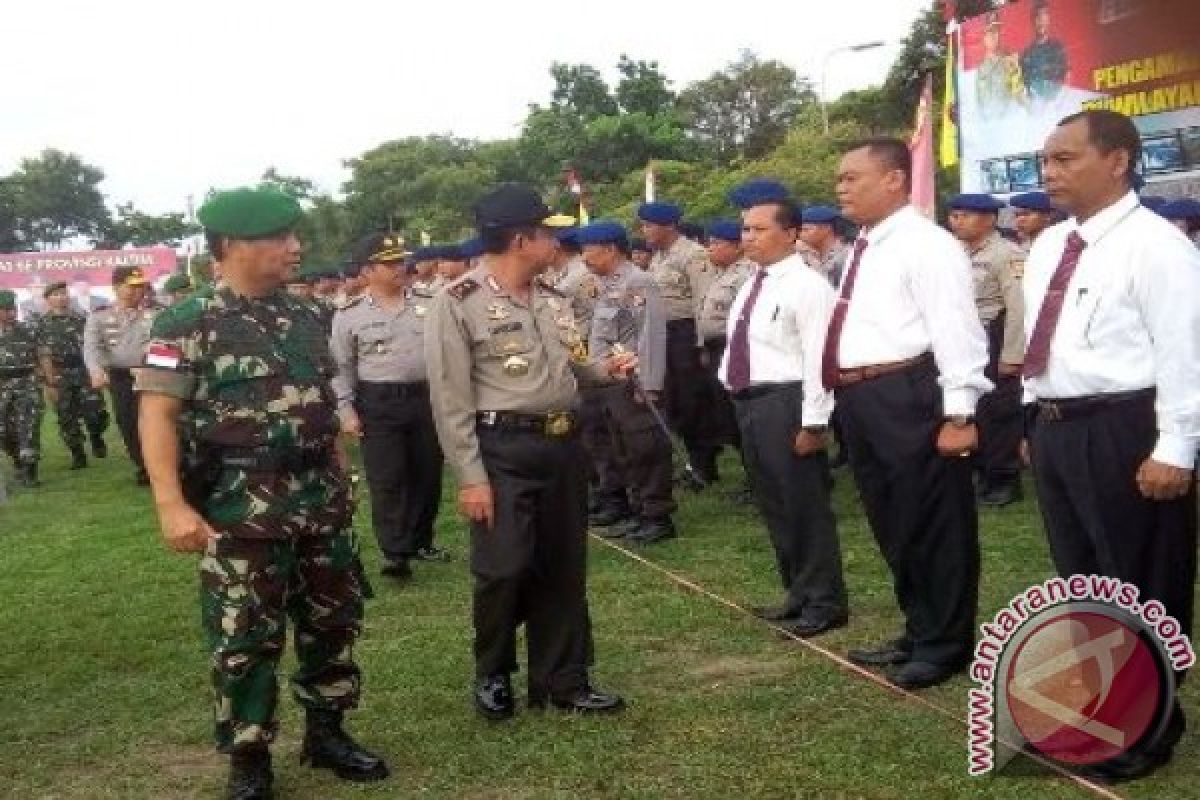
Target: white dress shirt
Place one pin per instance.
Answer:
(1130, 318)
(787, 332)
(914, 294)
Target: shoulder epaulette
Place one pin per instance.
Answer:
(541, 284)
(350, 302)
(462, 288)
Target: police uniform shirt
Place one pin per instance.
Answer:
(1130, 318)
(786, 333)
(714, 309)
(912, 295)
(995, 271)
(487, 351)
(629, 313)
(116, 337)
(833, 263)
(376, 344)
(428, 288)
(569, 278)
(682, 273)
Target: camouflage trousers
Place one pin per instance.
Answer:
(249, 587)
(21, 418)
(79, 407)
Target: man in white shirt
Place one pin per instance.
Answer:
(1113, 365)
(906, 353)
(772, 367)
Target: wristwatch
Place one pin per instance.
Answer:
(961, 420)
(816, 429)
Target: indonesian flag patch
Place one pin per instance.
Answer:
(163, 356)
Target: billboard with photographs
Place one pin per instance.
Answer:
(1027, 64)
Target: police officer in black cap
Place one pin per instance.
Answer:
(503, 355)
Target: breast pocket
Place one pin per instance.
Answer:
(604, 322)
(248, 382)
(369, 346)
(505, 343)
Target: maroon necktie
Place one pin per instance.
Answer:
(1037, 354)
(737, 369)
(833, 337)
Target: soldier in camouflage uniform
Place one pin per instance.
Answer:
(20, 394)
(69, 389)
(243, 371)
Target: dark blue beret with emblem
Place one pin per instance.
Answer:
(759, 191)
(819, 215)
(726, 229)
(602, 232)
(660, 213)
(1032, 201)
(980, 203)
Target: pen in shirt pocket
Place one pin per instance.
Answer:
(1082, 293)
(775, 314)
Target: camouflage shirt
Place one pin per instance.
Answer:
(60, 336)
(18, 348)
(253, 373)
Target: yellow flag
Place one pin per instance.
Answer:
(948, 147)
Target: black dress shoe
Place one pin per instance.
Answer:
(921, 674)
(607, 515)
(431, 553)
(774, 613)
(327, 746)
(250, 775)
(99, 448)
(78, 458)
(883, 655)
(653, 530)
(494, 697)
(398, 569)
(804, 628)
(582, 701)
(999, 496)
(621, 528)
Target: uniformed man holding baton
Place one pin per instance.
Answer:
(503, 355)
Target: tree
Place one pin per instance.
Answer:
(745, 110)
(11, 239)
(581, 90)
(923, 51)
(54, 197)
(873, 108)
(299, 188)
(643, 87)
(130, 226)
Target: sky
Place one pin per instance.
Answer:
(170, 99)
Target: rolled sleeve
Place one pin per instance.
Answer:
(448, 358)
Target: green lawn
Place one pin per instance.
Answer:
(103, 671)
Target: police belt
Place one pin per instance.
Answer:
(554, 424)
(15, 372)
(1067, 408)
(268, 459)
(68, 362)
(764, 389)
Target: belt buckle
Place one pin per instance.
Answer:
(558, 423)
(1050, 412)
(488, 418)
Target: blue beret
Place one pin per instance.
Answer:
(725, 229)
(1183, 208)
(426, 253)
(451, 252)
(984, 203)
(639, 245)
(1154, 202)
(758, 192)
(819, 215)
(1032, 201)
(602, 232)
(568, 235)
(471, 248)
(659, 213)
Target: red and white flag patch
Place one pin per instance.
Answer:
(163, 356)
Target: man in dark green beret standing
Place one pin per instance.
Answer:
(68, 389)
(243, 370)
(20, 394)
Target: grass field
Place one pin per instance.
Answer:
(103, 671)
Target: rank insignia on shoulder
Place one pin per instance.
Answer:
(463, 288)
(542, 284)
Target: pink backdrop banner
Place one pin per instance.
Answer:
(26, 270)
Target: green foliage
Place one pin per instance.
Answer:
(580, 90)
(55, 197)
(132, 227)
(643, 87)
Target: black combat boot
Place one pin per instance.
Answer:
(78, 457)
(27, 474)
(327, 746)
(250, 775)
(99, 448)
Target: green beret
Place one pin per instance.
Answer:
(8, 298)
(249, 213)
(178, 282)
(57, 286)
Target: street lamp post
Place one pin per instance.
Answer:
(850, 48)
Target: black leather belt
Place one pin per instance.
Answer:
(15, 372)
(397, 389)
(266, 459)
(1067, 408)
(764, 389)
(69, 362)
(554, 424)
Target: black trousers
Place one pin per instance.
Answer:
(793, 496)
(403, 462)
(1099, 523)
(687, 394)
(921, 507)
(999, 417)
(642, 451)
(125, 410)
(604, 474)
(531, 566)
(724, 424)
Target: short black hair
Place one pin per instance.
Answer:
(497, 240)
(1109, 131)
(893, 152)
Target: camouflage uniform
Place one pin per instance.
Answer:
(20, 394)
(60, 338)
(259, 412)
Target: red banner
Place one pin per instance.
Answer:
(33, 270)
